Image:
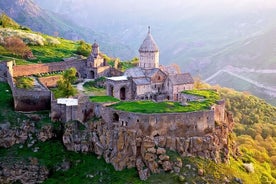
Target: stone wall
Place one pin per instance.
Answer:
(29, 100)
(25, 70)
(3, 71)
(164, 124)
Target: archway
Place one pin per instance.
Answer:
(111, 91)
(92, 74)
(123, 93)
(115, 117)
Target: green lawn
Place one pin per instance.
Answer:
(170, 107)
(103, 99)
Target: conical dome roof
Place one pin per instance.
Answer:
(148, 44)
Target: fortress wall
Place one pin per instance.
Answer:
(24, 70)
(219, 109)
(3, 71)
(30, 100)
(165, 124)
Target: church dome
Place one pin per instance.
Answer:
(148, 44)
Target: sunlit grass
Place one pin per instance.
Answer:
(170, 107)
(103, 99)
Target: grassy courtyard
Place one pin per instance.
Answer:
(103, 99)
(170, 107)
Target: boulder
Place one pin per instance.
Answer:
(167, 166)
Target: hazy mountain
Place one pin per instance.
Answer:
(203, 37)
(27, 13)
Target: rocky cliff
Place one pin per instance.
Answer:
(126, 148)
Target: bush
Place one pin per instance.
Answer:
(24, 82)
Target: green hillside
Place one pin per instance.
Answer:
(44, 48)
(29, 14)
(255, 134)
(250, 59)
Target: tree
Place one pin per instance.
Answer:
(18, 47)
(64, 86)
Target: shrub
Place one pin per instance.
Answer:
(18, 47)
(24, 82)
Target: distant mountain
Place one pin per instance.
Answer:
(246, 65)
(29, 14)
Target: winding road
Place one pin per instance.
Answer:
(234, 72)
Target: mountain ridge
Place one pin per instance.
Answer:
(29, 14)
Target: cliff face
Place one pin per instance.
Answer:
(126, 148)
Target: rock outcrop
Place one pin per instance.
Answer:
(127, 148)
(19, 135)
(22, 172)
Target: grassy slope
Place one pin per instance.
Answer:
(44, 54)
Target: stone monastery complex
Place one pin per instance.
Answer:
(128, 139)
(148, 81)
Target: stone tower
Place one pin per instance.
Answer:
(149, 53)
(95, 50)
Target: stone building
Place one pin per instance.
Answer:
(96, 64)
(148, 80)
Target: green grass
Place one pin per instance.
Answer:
(103, 99)
(170, 107)
(44, 54)
(7, 113)
(54, 53)
(149, 107)
(24, 82)
(52, 153)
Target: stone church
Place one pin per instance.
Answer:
(149, 81)
(96, 64)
